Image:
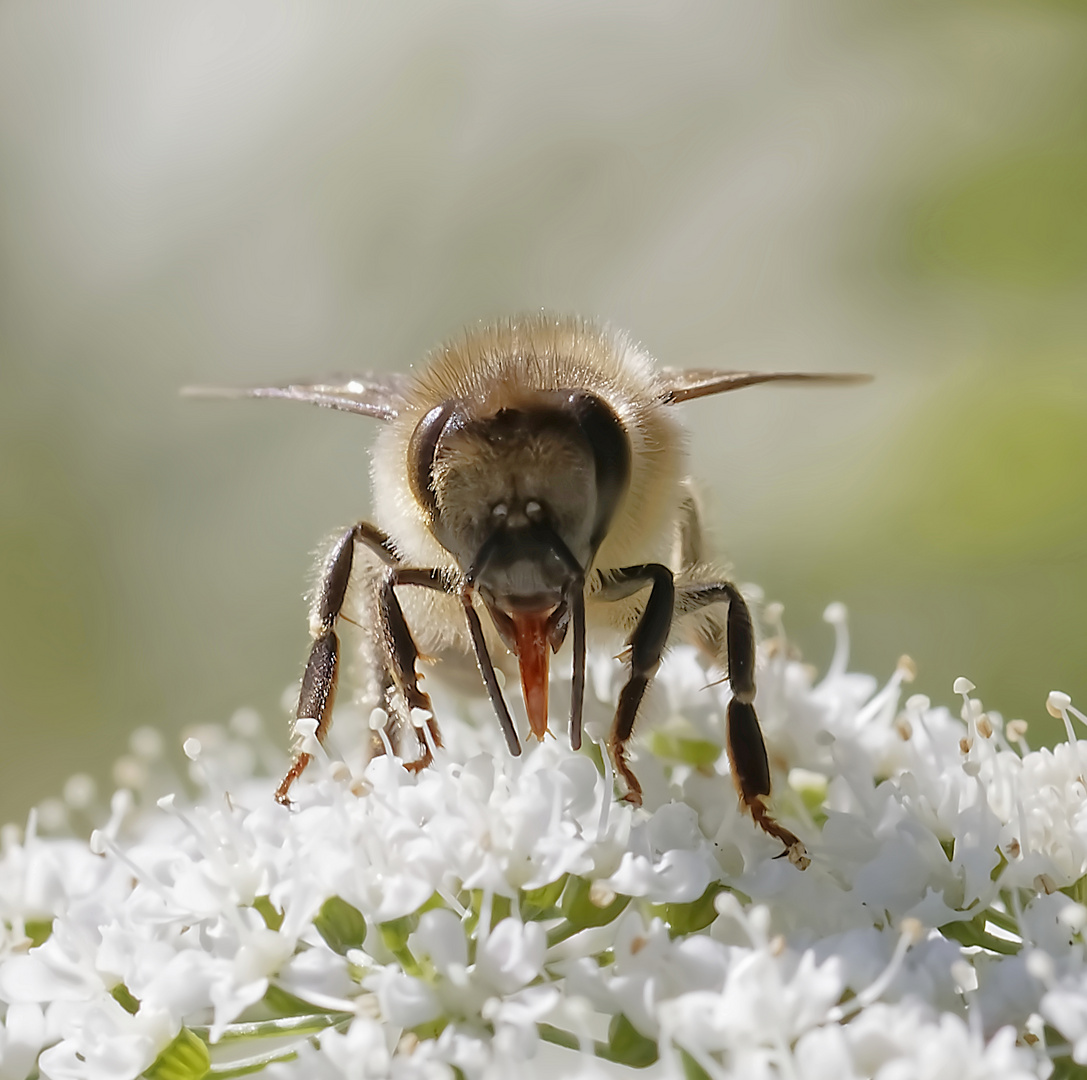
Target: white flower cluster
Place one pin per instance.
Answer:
(493, 916)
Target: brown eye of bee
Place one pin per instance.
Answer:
(500, 511)
(534, 511)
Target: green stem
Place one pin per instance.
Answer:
(1003, 920)
(550, 1033)
(564, 930)
(225, 1072)
(304, 1027)
(969, 933)
(605, 1051)
(312, 1024)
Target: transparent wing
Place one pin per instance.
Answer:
(682, 385)
(377, 394)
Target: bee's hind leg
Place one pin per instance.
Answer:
(745, 745)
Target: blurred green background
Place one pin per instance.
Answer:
(236, 192)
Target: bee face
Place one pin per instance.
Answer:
(522, 497)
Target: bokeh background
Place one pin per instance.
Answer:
(238, 192)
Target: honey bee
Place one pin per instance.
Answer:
(529, 485)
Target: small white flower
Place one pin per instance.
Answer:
(359, 1053)
(405, 1000)
(669, 858)
(22, 1036)
(440, 939)
(511, 955)
(516, 1016)
(101, 1041)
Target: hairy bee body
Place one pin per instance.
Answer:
(530, 491)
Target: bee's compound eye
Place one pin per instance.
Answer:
(500, 511)
(533, 510)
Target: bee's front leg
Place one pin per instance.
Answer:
(318, 690)
(745, 744)
(646, 642)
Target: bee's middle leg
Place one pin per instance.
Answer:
(646, 642)
(401, 655)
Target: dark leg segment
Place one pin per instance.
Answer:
(402, 654)
(318, 691)
(647, 643)
(486, 669)
(751, 774)
(740, 632)
(577, 687)
(745, 744)
(314, 700)
(575, 604)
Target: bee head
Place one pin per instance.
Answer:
(506, 493)
(522, 499)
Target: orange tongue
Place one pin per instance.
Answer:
(533, 649)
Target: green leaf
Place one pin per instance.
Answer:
(394, 936)
(123, 996)
(813, 794)
(628, 1046)
(501, 906)
(691, 917)
(625, 1045)
(699, 753)
(1077, 891)
(580, 911)
(592, 751)
(1064, 1068)
(537, 903)
(341, 925)
(432, 904)
(186, 1058)
(279, 1003)
(38, 930)
(691, 1069)
(431, 1029)
(272, 919)
(973, 932)
(558, 1037)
